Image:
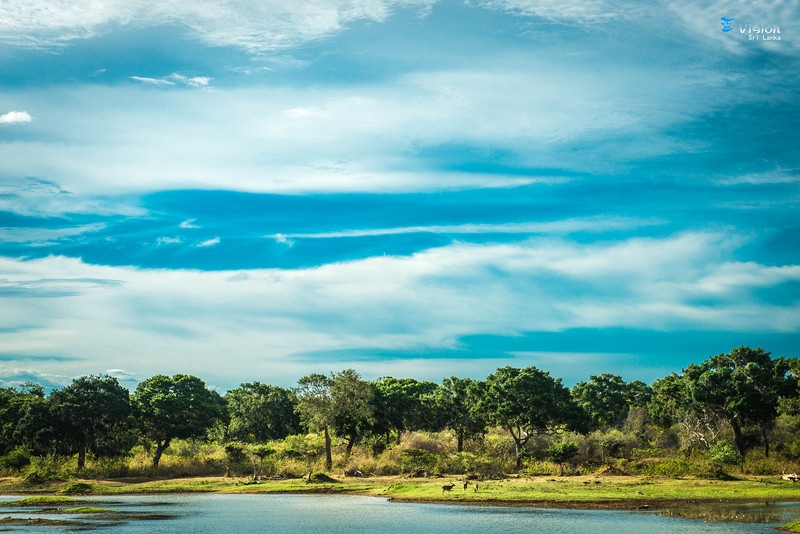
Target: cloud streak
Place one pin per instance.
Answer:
(265, 321)
(592, 224)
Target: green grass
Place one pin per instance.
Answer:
(588, 491)
(42, 500)
(88, 510)
(794, 526)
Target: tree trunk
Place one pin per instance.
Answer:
(328, 458)
(398, 436)
(518, 452)
(738, 439)
(81, 456)
(350, 442)
(766, 441)
(160, 448)
(460, 440)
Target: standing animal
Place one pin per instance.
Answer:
(466, 484)
(475, 487)
(448, 488)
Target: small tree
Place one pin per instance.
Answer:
(561, 453)
(315, 405)
(457, 402)
(723, 454)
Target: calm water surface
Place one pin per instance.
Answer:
(294, 514)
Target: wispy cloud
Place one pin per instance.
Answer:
(591, 224)
(175, 79)
(777, 176)
(428, 300)
(189, 223)
(578, 12)
(208, 242)
(15, 117)
(164, 240)
(36, 197)
(253, 26)
(33, 236)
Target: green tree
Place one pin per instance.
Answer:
(353, 408)
(743, 386)
(527, 402)
(88, 411)
(403, 404)
(13, 406)
(178, 407)
(561, 453)
(316, 409)
(260, 412)
(607, 398)
(457, 402)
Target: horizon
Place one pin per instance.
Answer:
(411, 188)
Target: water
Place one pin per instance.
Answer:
(295, 514)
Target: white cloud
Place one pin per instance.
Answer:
(280, 238)
(195, 81)
(175, 79)
(189, 223)
(355, 138)
(15, 117)
(576, 11)
(168, 241)
(565, 226)
(152, 81)
(267, 322)
(36, 198)
(254, 26)
(46, 235)
(776, 176)
(208, 242)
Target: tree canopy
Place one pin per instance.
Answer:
(87, 411)
(527, 402)
(169, 408)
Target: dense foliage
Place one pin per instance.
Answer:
(731, 409)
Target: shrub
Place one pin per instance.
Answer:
(77, 488)
(16, 458)
(320, 477)
(724, 454)
(414, 459)
(561, 453)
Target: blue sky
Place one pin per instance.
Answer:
(260, 190)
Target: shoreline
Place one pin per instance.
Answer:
(588, 492)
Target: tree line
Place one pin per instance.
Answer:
(743, 391)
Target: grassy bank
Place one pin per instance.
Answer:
(620, 492)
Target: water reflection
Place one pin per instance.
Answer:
(294, 514)
(739, 513)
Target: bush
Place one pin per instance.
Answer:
(320, 477)
(414, 459)
(77, 488)
(561, 453)
(722, 453)
(17, 458)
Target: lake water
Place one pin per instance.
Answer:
(294, 514)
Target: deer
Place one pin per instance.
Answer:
(448, 488)
(475, 487)
(466, 485)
